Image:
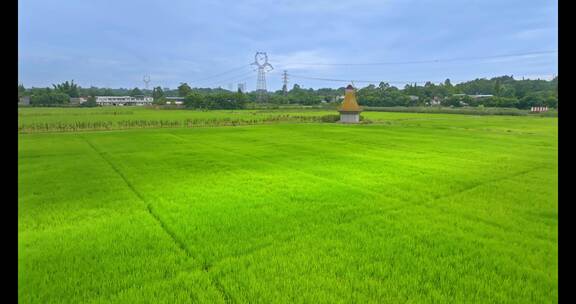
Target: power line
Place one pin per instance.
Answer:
(220, 74)
(233, 78)
(228, 78)
(430, 60)
(348, 80)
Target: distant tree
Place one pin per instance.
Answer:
(135, 92)
(107, 92)
(21, 90)
(554, 84)
(157, 93)
(551, 102)
(184, 89)
(240, 100)
(69, 88)
(500, 102)
(301, 96)
(383, 86)
(497, 87)
(507, 90)
(91, 102)
(447, 88)
(49, 98)
(531, 100)
(195, 100)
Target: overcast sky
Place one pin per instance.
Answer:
(114, 43)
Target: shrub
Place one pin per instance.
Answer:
(330, 118)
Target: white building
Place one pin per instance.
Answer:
(539, 109)
(77, 100)
(123, 100)
(481, 96)
(435, 101)
(24, 100)
(476, 96)
(175, 100)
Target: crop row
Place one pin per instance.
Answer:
(73, 126)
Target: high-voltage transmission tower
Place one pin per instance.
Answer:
(285, 83)
(261, 61)
(146, 80)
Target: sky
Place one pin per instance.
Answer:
(211, 43)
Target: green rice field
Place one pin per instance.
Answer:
(405, 208)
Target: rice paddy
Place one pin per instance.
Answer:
(410, 208)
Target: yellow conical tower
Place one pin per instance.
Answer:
(350, 110)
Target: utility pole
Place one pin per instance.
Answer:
(285, 81)
(261, 61)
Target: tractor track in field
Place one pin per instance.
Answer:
(215, 282)
(177, 241)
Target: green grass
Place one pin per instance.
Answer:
(418, 208)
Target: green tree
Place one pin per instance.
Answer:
(240, 99)
(497, 88)
(158, 95)
(531, 100)
(184, 89)
(21, 90)
(49, 98)
(69, 88)
(448, 87)
(383, 86)
(135, 92)
(195, 100)
(551, 102)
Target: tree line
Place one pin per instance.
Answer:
(505, 90)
